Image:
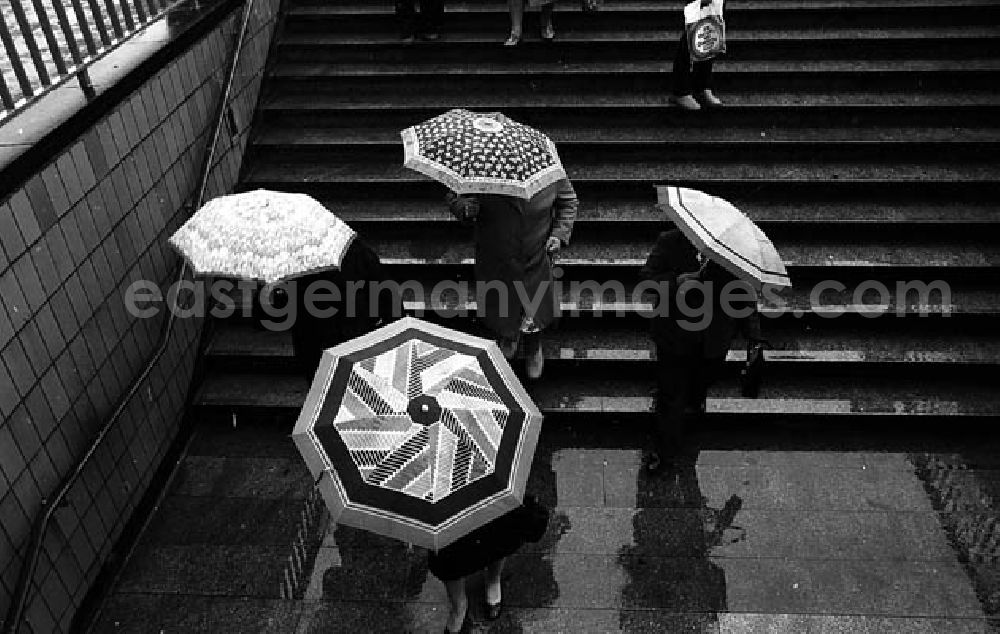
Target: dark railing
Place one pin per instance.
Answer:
(49, 42)
(19, 601)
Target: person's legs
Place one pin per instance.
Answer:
(534, 355)
(702, 84)
(508, 345)
(406, 15)
(494, 595)
(459, 604)
(548, 31)
(516, 8)
(431, 18)
(681, 77)
(673, 377)
(704, 373)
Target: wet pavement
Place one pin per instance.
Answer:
(802, 531)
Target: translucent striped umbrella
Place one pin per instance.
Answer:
(263, 235)
(418, 432)
(725, 234)
(476, 153)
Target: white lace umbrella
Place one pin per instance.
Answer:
(474, 153)
(263, 235)
(418, 432)
(724, 234)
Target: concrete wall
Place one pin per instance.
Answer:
(71, 240)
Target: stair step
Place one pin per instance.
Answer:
(652, 173)
(619, 133)
(635, 45)
(598, 76)
(757, 68)
(927, 34)
(609, 340)
(802, 302)
(248, 395)
(367, 214)
(857, 102)
(652, 6)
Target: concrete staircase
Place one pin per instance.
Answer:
(862, 135)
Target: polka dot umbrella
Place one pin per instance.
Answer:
(263, 235)
(418, 432)
(474, 153)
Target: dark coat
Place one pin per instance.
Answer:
(510, 247)
(672, 255)
(311, 334)
(488, 543)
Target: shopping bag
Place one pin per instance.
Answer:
(705, 30)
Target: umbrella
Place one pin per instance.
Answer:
(418, 432)
(475, 153)
(725, 235)
(263, 235)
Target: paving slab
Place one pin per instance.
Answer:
(137, 613)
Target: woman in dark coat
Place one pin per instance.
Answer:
(516, 241)
(314, 330)
(690, 353)
(485, 548)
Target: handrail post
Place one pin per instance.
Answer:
(85, 84)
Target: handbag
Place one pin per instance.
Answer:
(753, 370)
(705, 30)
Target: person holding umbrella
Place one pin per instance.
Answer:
(711, 265)
(335, 305)
(508, 179)
(516, 243)
(486, 549)
(424, 434)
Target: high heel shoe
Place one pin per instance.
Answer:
(513, 40)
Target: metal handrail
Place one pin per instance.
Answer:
(15, 613)
(94, 32)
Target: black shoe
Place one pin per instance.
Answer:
(493, 610)
(430, 36)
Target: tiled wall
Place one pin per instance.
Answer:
(72, 239)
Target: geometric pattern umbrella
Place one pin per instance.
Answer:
(418, 432)
(475, 153)
(724, 234)
(263, 235)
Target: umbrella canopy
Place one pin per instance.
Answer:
(425, 433)
(475, 153)
(263, 235)
(724, 234)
